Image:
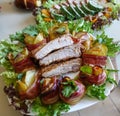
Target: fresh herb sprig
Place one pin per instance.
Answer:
(109, 78)
(69, 88)
(97, 91)
(113, 47)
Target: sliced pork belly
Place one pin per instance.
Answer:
(55, 44)
(68, 52)
(72, 65)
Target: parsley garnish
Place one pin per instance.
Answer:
(97, 91)
(113, 47)
(109, 78)
(69, 88)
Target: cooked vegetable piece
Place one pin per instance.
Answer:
(67, 13)
(72, 10)
(87, 10)
(80, 11)
(94, 5)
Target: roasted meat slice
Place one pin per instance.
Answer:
(72, 65)
(58, 43)
(68, 52)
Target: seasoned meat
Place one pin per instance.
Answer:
(55, 44)
(72, 65)
(68, 52)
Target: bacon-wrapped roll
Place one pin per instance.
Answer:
(49, 90)
(33, 43)
(97, 55)
(22, 62)
(29, 85)
(71, 91)
(92, 75)
(27, 4)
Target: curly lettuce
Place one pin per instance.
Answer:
(113, 47)
(9, 77)
(7, 47)
(49, 110)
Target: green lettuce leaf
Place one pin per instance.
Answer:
(49, 110)
(97, 91)
(9, 77)
(18, 36)
(80, 25)
(113, 47)
(43, 26)
(31, 30)
(7, 47)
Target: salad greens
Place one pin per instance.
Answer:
(80, 25)
(109, 78)
(9, 77)
(7, 47)
(31, 30)
(18, 36)
(115, 11)
(113, 48)
(69, 88)
(43, 26)
(98, 91)
(50, 110)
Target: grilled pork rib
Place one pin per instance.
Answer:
(68, 52)
(55, 44)
(72, 65)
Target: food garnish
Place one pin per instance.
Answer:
(39, 59)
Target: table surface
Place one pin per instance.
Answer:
(12, 20)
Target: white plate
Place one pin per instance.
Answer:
(12, 20)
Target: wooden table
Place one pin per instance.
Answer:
(12, 20)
